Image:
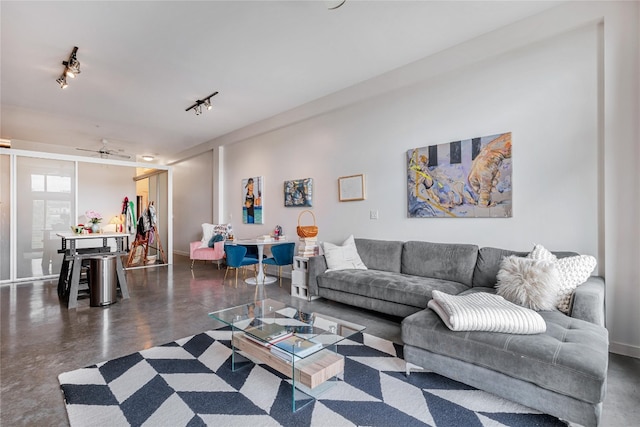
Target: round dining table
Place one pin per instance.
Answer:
(260, 278)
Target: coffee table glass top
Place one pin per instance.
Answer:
(262, 320)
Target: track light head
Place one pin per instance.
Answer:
(62, 81)
(207, 104)
(70, 69)
(72, 66)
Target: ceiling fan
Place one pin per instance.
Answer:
(106, 152)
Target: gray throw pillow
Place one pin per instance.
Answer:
(215, 238)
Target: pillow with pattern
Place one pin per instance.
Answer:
(573, 272)
(210, 230)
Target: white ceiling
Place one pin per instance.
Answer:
(144, 62)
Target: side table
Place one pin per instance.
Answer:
(300, 279)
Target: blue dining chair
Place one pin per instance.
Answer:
(282, 255)
(252, 252)
(236, 259)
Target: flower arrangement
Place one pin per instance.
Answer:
(94, 217)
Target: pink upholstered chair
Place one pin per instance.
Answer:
(216, 253)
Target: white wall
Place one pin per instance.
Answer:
(565, 82)
(545, 94)
(192, 199)
(102, 188)
(621, 154)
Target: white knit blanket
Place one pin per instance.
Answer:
(482, 311)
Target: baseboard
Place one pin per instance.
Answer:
(183, 253)
(625, 349)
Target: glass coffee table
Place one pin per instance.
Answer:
(300, 345)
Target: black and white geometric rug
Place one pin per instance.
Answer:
(189, 382)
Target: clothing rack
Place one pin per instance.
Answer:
(146, 235)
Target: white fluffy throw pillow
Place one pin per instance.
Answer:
(528, 282)
(574, 271)
(343, 257)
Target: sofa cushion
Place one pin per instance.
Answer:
(488, 264)
(381, 254)
(446, 261)
(570, 358)
(383, 285)
(206, 254)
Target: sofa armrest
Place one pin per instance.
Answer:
(317, 265)
(589, 301)
(192, 248)
(218, 250)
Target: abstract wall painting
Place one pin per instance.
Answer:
(298, 193)
(469, 178)
(252, 209)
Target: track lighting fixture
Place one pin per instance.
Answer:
(197, 107)
(71, 68)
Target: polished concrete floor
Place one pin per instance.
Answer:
(40, 338)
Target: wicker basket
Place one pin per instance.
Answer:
(307, 231)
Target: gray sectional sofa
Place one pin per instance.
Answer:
(561, 372)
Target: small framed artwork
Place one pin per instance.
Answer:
(252, 212)
(298, 192)
(351, 188)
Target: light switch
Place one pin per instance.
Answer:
(373, 214)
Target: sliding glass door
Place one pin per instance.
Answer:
(45, 192)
